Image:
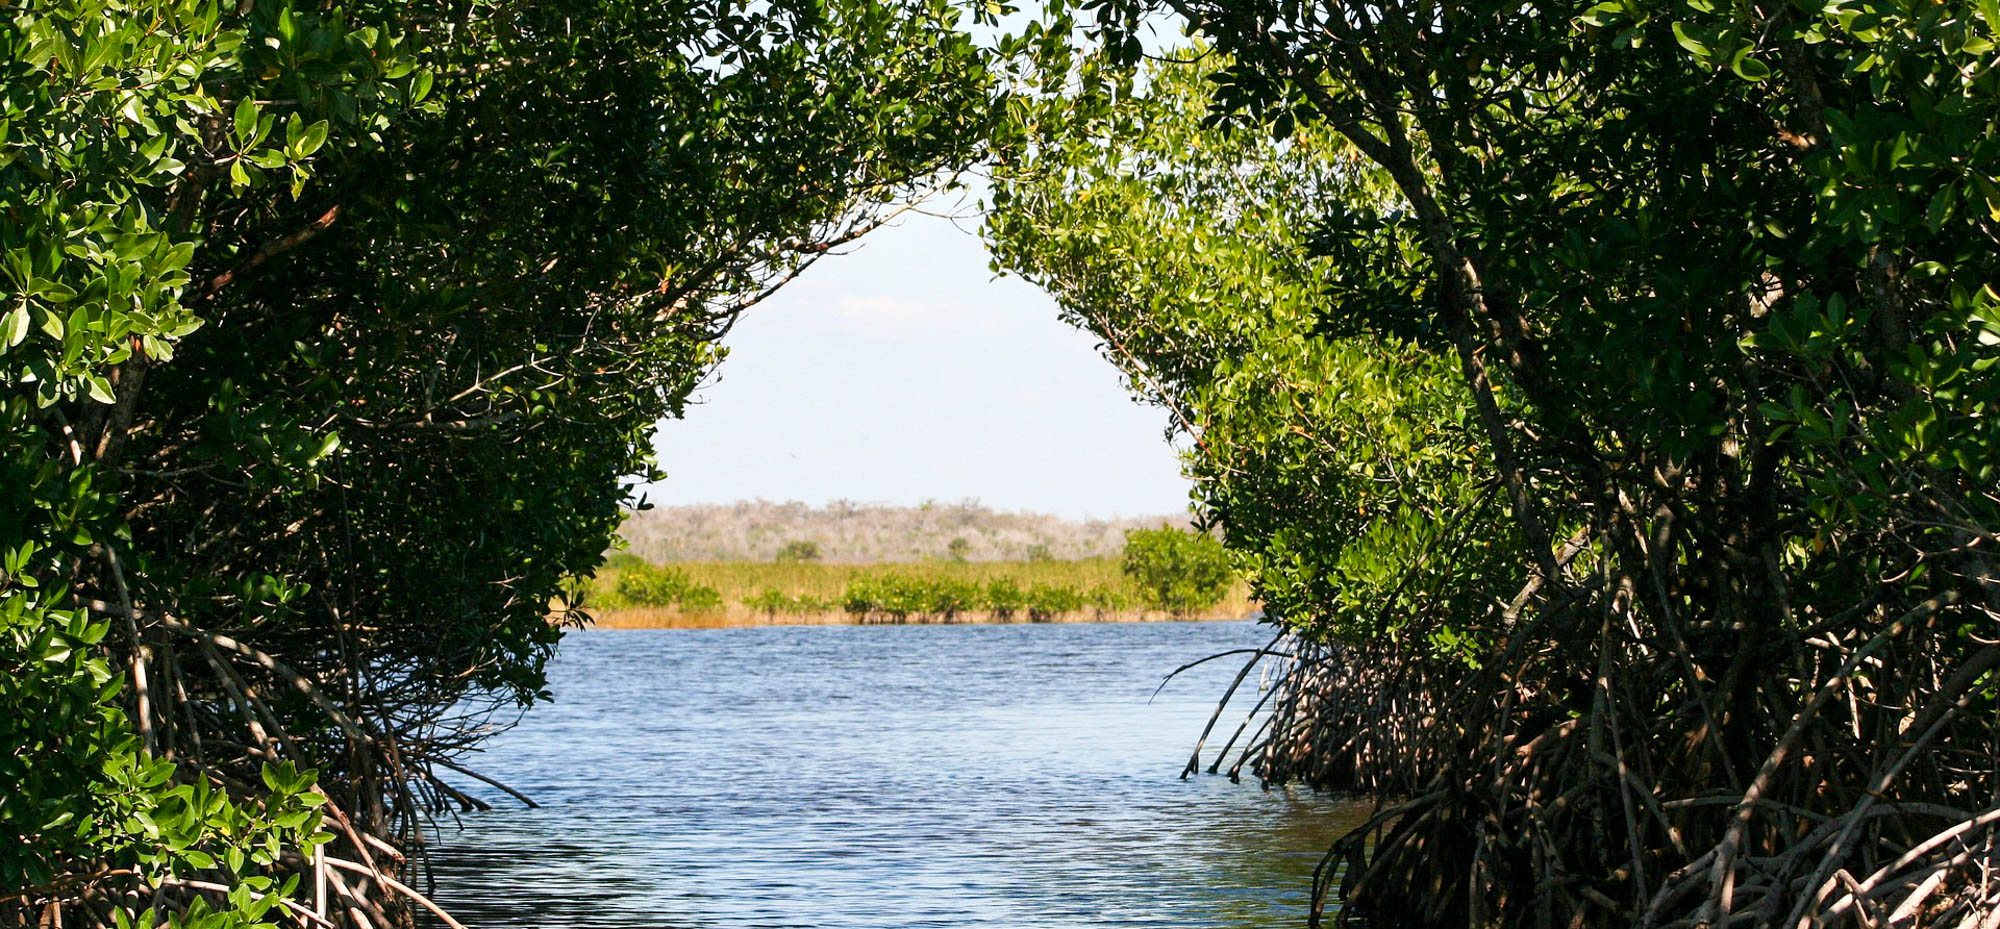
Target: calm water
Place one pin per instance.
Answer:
(881, 777)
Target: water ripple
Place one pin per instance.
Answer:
(891, 777)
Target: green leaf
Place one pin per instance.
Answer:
(1688, 41)
(1941, 205)
(246, 122)
(1750, 69)
(14, 327)
(315, 137)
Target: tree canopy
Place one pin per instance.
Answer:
(1714, 289)
(331, 337)
(1329, 458)
(1602, 396)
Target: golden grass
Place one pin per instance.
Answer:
(738, 616)
(738, 581)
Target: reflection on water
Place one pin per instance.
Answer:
(880, 777)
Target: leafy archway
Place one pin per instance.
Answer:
(330, 332)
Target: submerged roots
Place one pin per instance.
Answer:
(1594, 775)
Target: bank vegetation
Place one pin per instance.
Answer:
(1167, 574)
(1604, 399)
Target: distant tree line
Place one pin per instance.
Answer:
(861, 533)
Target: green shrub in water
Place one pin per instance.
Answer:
(1105, 600)
(771, 601)
(1005, 597)
(1047, 601)
(1175, 570)
(661, 586)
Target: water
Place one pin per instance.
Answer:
(881, 777)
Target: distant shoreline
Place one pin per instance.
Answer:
(629, 593)
(668, 618)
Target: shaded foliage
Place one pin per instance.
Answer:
(329, 336)
(1715, 285)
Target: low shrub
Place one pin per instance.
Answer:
(908, 592)
(901, 596)
(1105, 600)
(699, 599)
(1004, 597)
(1175, 570)
(1048, 601)
(621, 561)
(771, 601)
(893, 595)
(661, 586)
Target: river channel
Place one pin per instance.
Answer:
(880, 777)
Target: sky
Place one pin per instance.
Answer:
(901, 372)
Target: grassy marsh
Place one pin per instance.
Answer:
(813, 593)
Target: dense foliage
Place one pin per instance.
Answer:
(1175, 570)
(328, 335)
(1713, 287)
(1329, 460)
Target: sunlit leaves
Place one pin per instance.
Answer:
(134, 143)
(1330, 451)
(1705, 233)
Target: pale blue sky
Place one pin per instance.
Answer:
(903, 372)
